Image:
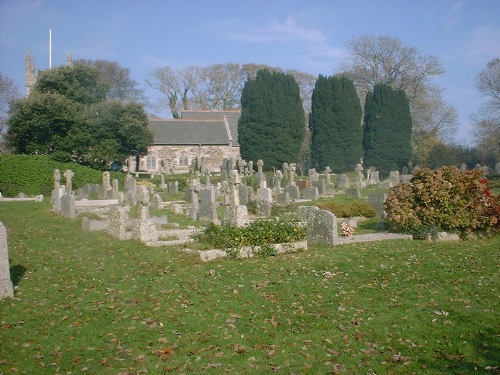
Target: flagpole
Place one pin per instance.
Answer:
(50, 49)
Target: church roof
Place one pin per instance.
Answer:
(232, 117)
(197, 128)
(189, 132)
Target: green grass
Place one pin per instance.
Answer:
(93, 304)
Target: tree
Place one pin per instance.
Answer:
(79, 83)
(271, 126)
(67, 117)
(8, 92)
(335, 122)
(486, 121)
(306, 84)
(117, 80)
(382, 59)
(387, 132)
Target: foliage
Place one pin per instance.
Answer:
(387, 133)
(257, 233)
(335, 123)
(33, 175)
(8, 92)
(96, 305)
(384, 59)
(272, 124)
(359, 208)
(446, 199)
(66, 116)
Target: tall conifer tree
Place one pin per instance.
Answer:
(272, 122)
(387, 133)
(335, 124)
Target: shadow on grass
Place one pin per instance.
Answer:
(16, 273)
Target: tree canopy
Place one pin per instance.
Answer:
(68, 117)
(335, 122)
(272, 124)
(387, 131)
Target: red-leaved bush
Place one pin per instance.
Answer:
(446, 199)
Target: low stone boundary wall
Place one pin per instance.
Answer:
(251, 251)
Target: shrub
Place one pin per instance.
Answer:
(348, 209)
(33, 174)
(257, 233)
(446, 199)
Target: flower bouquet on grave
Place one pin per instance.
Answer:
(347, 231)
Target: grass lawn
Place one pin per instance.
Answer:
(87, 303)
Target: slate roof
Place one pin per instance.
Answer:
(197, 128)
(232, 119)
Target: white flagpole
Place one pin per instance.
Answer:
(50, 49)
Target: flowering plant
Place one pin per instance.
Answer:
(347, 231)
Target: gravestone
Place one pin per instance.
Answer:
(394, 177)
(353, 192)
(68, 199)
(118, 224)
(264, 200)
(377, 202)
(156, 202)
(322, 228)
(311, 193)
(283, 199)
(344, 182)
(6, 287)
(173, 187)
(327, 173)
(320, 185)
(235, 214)
(208, 208)
(463, 167)
(305, 212)
(145, 228)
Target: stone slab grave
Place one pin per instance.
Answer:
(22, 198)
(6, 287)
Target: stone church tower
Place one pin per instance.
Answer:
(30, 77)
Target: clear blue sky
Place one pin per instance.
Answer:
(308, 36)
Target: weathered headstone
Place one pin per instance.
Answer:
(208, 208)
(117, 224)
(311, 193)
(320, 185)
(394, 177)
(344, 182)
(6, 286)
(322, 228)
(305, 212)
(377, 202)
(156, 202)
(235, 214)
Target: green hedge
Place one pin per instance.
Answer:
(33, 175)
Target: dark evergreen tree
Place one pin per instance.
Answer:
(387, 132)
(335, 124)
(272, 122)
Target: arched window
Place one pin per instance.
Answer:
(183, 158)
(151, 162)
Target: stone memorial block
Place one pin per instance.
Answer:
(311, 193)
(264, 207)
(394, 177)
(236, 215)
(156, 202)
(173, 187)
(265, 194)
(320, 185)
(244, 193)
(283, 199)
(322, 228)
(68, 174)
(313, 175)
(6, 286)
(305, 212)
(377, 202)
(291, 170)
(118, 224)
(374, 177)
(327, 173)
(405, 178)
(208, 207)
(68, 205)
(293, 192)
(131, 184)
(463, 167)
(354, 192)
(344, 182)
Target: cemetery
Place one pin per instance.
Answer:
(239, 271)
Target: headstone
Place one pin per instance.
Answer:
(291, 179)
(463, 167)
(6, 286)
(283, 199)
(117, 224)
(264, 207)
(279, 176)
(235, 214)
(322, 228)
(243, 192)
(328, 172)
(344, 182)
(311, 193)
(69, 185)
(354, 192)
(293, 192)
(320, 185)
(394, 177)
(250, 168)
(156, 202)
(68, 205)
(313, 175)
(173, 187)
(377, 202)
(208, 208)
(305, 212)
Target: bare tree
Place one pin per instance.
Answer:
(382, 59)
(486, 121)
(8, 92)
(306, 84)
(175, 84)
(118, 81)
